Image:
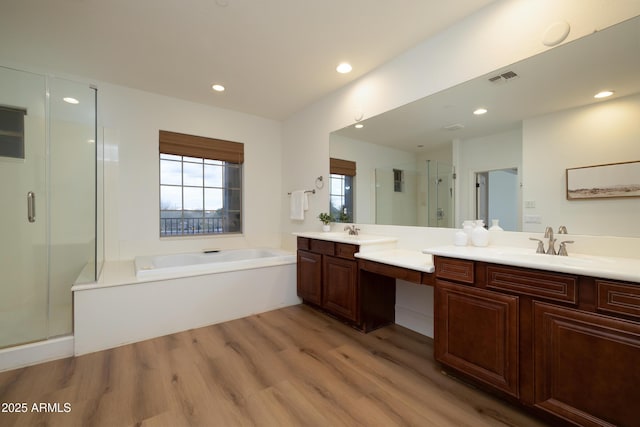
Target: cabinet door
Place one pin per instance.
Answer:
(340, 290)
(586, 366)
(309, 277)
(477, 333)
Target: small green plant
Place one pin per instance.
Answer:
(325, 218)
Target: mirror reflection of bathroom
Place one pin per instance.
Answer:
(497, 197)
(440, 194)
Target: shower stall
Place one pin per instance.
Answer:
(50, 215)
(440, 190)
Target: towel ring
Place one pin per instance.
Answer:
(319, 182)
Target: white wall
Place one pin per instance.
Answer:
(607, 132)
(132, 119)
(498, 35)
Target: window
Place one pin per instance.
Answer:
(12, 132)
(398, 180)
(341, 189)
(200, 185)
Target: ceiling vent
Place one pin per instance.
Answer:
(454, 126)
(503, 78)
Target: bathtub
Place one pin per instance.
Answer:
(209, 262)
(154, 296)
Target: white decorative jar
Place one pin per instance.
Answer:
(480, 235)
(495, 226)
(460, 238)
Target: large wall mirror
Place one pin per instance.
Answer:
(434, 162)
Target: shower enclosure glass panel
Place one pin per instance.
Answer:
(48, 175)
(23, 216)
(440, 194)
(72, 201)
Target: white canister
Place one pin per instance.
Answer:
(480, 235)
(495, 226)
(460, 238)
(467, 227)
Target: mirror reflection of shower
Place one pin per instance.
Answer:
(440, 194)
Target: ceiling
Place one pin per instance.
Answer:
(273, 56)
(558, 79)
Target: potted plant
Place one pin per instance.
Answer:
(325, 218)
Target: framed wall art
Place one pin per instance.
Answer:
(613, 180)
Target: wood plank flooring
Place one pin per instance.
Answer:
(288, 367)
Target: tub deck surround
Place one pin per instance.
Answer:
(605, 267)
(210, 262)
(122, 308)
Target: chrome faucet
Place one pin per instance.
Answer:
(563, 247)
(551, 250)
(548, 234)
(353, 230)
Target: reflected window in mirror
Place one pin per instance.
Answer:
(341, 189)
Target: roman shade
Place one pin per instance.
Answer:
(181, 144)
(342, 167)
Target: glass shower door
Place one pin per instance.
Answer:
(440, 194)
(23, 208)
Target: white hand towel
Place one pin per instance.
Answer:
(299, 204)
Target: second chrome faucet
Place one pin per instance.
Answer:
(551, 250)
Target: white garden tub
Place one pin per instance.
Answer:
(160, 295)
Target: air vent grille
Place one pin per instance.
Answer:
(454, 126)
(504, 77)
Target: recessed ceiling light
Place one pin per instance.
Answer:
(344, 68)
(359, 126)
(603, 94)
(70, 100)
(480, 111)
(217, 88)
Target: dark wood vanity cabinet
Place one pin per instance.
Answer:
(567, 346)
(477, 333)
(340, 287)
(586, 366)
(309, 276)
(329, 278)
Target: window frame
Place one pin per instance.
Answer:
(195, 150)
(346, 170)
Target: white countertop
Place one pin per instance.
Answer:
(344, 237)
(413, 260)
(618, 268)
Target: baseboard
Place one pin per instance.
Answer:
(34, 353)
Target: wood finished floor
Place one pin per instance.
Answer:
(289, 367)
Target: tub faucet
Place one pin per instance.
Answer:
(353, 230)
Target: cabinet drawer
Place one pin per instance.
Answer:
(458, 270)
(551, 286)
(322, 247)
(618, 298)
(304, 243)
(345, 250)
